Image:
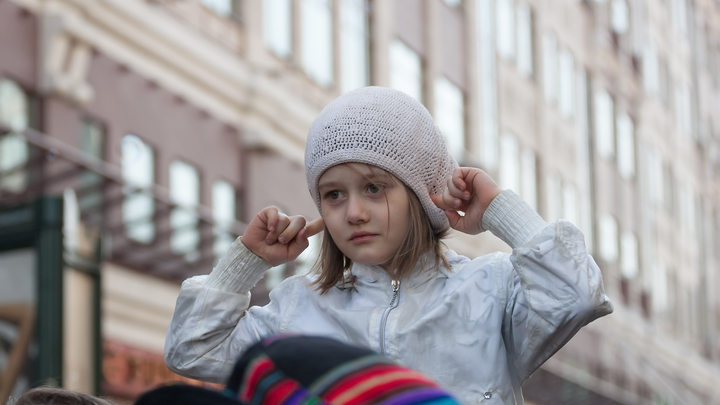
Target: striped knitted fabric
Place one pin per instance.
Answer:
(311, 370)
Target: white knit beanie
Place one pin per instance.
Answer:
(384, 128)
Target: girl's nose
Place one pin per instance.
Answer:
(356, 212)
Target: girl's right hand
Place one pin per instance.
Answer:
(277, 238)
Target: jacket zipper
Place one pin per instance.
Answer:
(393, 304)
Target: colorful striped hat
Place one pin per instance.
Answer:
(292, 370)
(308, 370)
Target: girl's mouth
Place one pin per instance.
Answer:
(360, 237)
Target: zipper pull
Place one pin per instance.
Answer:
(395, 287)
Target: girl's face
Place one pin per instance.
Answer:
(365, 210)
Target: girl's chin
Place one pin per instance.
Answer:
(371, 261)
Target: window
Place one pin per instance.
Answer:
(355, 45)
(528, 178)
(517, 169)
(450, 115)
(92, 143)
(505, 28)
(629, 255)
(665, 82)
(626, 146)
(659, 287)
(14, 106)
(277, 26)
(405, 70)
(716, 64)
(716, 234)
(14, 151)
(620, 19)
(524, 39)
(683, 114)
(679, 15)
(554, 197)
(604, 128)
(651, 69)
(581, 106)
(221, 7)
(223, 208)
(608, 238)
(14, 155)
(567, 77)
(687, 208)
(317, 40)
(709, 50)
(669, 198)
(550, 66)
(655, 176)
(509, 163)
(138, 171)
(570, 203)
(185, 192)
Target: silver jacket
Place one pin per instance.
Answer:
(480, 330)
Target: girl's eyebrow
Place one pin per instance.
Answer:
(337, 184)
(330, 184)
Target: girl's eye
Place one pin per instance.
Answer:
(333, 195)
(373, 188)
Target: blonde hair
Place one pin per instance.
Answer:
(58, 396)
(334, 266)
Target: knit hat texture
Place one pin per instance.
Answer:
(385, 128)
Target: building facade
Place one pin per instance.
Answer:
(164, 125)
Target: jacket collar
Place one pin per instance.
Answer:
(423, 272)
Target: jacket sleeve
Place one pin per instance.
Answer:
(553, 287)
(211, 327)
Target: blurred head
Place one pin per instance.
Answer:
(58, 396)
(310, 370)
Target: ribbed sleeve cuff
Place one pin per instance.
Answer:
(511, 219)
(238, 271)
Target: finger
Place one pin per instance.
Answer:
(456, 191)
(458, 178)
(296, 224)
(282, 222)
(438, 201)
(315, 227)
(301, 240)
(271, 214)
(450, 200)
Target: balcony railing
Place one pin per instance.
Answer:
(53, 166)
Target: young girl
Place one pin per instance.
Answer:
(388, 190)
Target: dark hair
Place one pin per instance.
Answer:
(333, 266)
(58, 396)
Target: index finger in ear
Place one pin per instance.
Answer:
(314, 227)
(438, 201)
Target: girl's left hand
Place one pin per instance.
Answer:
(470, 191)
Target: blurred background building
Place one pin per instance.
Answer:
(137, 138)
